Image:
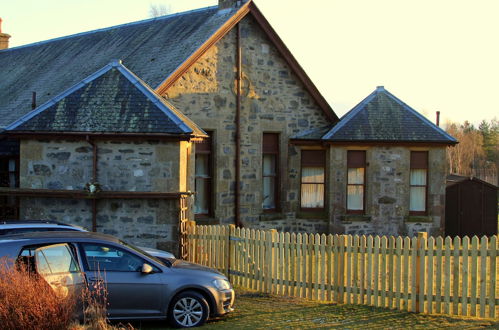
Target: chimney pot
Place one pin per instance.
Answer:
(4, 38)
(438, 118)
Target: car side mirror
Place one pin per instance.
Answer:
(147, 269)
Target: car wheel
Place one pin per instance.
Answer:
(188, 309)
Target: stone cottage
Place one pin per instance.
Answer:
(385, 169)
(211, 102)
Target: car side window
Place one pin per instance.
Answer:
(108, 258)
(55, 259)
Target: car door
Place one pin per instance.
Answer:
(130, 293)
(59, 267)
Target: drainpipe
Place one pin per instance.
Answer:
(237, 205)
(94, 179)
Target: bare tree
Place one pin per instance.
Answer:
(156, 10)
(469, 154)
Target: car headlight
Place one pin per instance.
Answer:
(222, 284)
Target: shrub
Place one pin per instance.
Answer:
(28, 302)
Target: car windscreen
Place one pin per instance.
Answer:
(130, 246)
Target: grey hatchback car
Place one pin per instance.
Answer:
(139, 286)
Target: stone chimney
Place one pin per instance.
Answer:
(223, 4)
(4, 38)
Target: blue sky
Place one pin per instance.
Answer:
(433, 54)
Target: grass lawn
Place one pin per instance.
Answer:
(261, 311)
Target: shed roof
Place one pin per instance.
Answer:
(382, 117)
(112, 100)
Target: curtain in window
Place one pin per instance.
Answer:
(312, 188)
(355, 197)
(202, 165)
(418, 190)
(12, 173)
(269, 172)
(355, 189)
(201, 204)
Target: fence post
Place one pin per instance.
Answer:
(269, 259)
(229, 254)
(341, 268)
(191, 230)
(422, 236)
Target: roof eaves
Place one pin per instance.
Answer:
(57, 98)
(421, 117)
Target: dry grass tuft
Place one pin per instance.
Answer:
(28, 302)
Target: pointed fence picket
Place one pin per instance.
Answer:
(427, 275)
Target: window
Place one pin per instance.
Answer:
(9, 177)
(270, 155)
(203, 174)
(55, 259)
(356, 175)
(313, 168)
(418, 182)
(108, 258)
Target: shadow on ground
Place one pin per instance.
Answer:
(261, 311)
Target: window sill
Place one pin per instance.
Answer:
(202, 219)
(355, 218)
(418, 218)
(271, 216)
(319, 214)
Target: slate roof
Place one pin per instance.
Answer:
(112, 100)
(152, 49)
(382, 117)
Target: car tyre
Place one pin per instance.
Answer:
(188, 309)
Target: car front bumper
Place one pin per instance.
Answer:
(225, 302)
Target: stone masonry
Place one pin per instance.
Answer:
(122, 166)
(274, 101)
(387, 193)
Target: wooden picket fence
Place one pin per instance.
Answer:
(426, 275)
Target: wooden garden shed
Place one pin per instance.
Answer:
(470, 207)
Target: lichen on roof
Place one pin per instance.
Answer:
(382, 117)
(153, 49)
(112, 100)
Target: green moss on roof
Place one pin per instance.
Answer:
(113, 100)
(383, 117)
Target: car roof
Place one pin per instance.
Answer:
(59, 235)
(10, 224)
(36, 221)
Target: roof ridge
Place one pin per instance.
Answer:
(147, 20)
(153, 97)
(60, 96)
(349, 115)
(420, 116)
(142, 86)
(380, 90)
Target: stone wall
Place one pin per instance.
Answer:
(273, 100)
(387, 192)
(122, 166)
